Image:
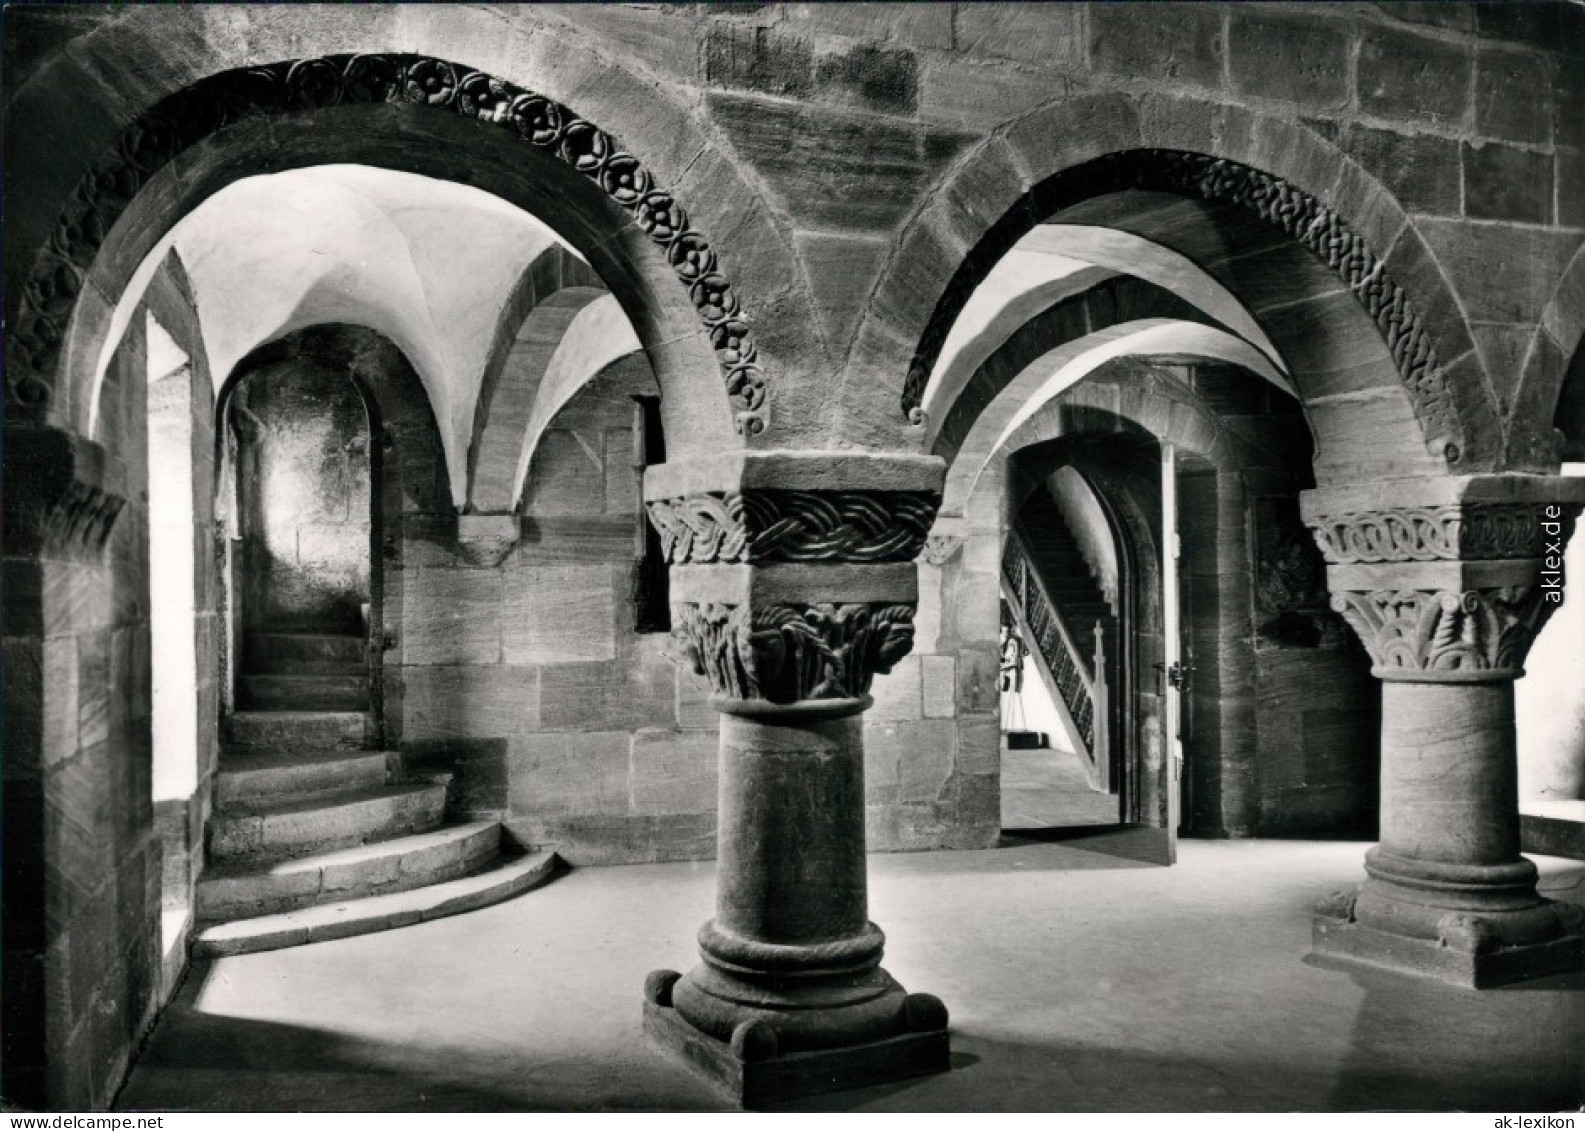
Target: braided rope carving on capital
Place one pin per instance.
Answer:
(1455, 532)
(794, 526)
(154, 139)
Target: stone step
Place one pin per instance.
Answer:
(304, 730)
(303, 692)
(266, 652)
(378, 912)
(251, 776)
(242, 889)
(298, 827)
(1553, 827)
(289, 666)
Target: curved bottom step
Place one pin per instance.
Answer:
(378, 912)
(231, 890)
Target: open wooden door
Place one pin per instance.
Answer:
(1172, 674)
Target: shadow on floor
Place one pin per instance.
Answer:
(1125, 842)
(1384, 1071)
(1054, 1075)
(198, 1061)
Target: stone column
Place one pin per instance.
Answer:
(1447, 583)
(792, 586)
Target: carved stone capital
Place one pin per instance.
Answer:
(793, 653)
(60, 500)
(1447, 635)
(1446, 579)
(793, 578)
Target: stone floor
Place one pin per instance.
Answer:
(1077, 981)
(1047, 789)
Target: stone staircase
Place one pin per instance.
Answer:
(1059, 607)
(313, 836)
(1055, 553)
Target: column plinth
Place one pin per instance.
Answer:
(790, 597)
(1447, 598)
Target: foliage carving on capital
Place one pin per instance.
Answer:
(1452, 532)
(793, 653)
(185, 118)
(757, 526)
(1423, 632)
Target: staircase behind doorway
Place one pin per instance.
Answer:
(316, 833)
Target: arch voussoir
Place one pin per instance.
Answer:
(1279, 173)
(37, 371)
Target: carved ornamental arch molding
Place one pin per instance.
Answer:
(1309, 222)
(49, 297)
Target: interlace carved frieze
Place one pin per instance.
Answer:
(223, 100)
(1455, 532)
(792, 653)
(1444, 631)
(794, 526)
(1303, 217)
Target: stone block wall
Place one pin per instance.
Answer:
(1471, 115)
(526, 674)
(932, 741)
(83, 863)
(1318, 709)
(1284, 716)
(304, 500)
(180, 820)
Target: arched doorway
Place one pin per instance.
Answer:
(298, 476)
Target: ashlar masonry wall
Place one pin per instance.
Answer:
(526, 675)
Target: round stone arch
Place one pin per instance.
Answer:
(1047, 376)
(1554, 355)
(1096, 159)
(413, 113)
(1023, 293)
(1129, 394)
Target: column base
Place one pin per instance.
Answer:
(1465, 953)
(752, 1072)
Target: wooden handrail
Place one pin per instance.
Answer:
(1078, 675)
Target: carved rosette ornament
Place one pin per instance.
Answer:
(212, 104)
